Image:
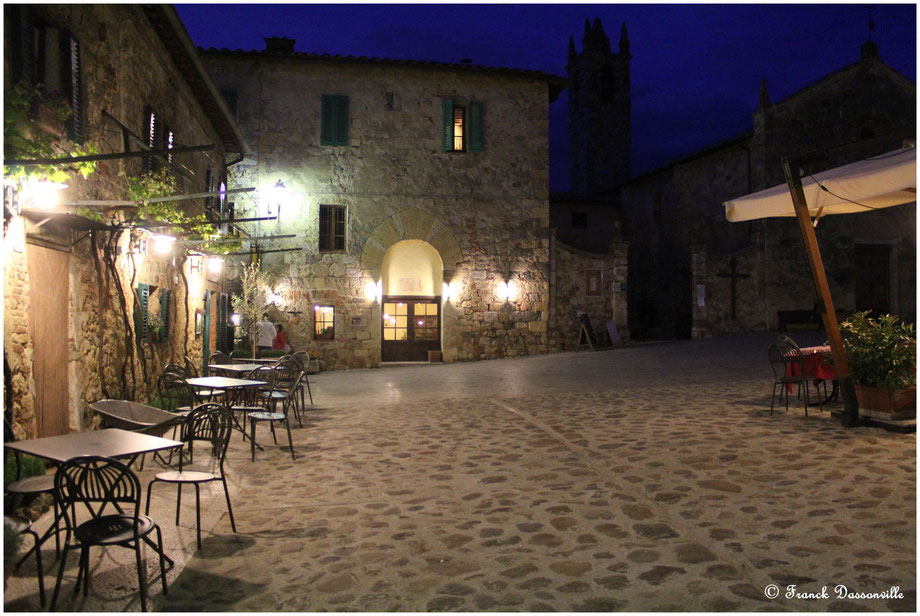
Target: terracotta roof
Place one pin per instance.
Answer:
(170, 30)
(556, 83)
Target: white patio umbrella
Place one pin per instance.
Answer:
(875, 183)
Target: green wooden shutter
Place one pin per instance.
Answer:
(223, 323)
(475, 127)
(164, 313)
(140, 315)
(341, 120)
(71, 52)
(334, 120)
(447, 124)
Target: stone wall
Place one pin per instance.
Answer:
(125, 67)
(572, 271)
(486, 213)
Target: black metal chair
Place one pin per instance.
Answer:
(303, 361)
(283, 374)
(23, 526)
(249, 399)
(788, 366)
(209, 423)
(176, 395)
(273, 417)
(190, 367)
(101, 484)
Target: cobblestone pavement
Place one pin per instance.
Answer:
(650, 478)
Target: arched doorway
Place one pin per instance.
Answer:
(412, 275)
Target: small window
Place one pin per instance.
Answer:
(579, 220)
(331, 228)
(324, 322)
(334, 120)
(462, 126)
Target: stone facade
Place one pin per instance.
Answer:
(485, 213)
(130, 58)
(683, 250)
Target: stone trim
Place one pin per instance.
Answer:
(410, 224)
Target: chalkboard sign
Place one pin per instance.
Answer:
(613, 333)
(586, 336)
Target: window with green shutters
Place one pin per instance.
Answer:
(461, 127)
(140, 315)
(334, 120)
(164, 313)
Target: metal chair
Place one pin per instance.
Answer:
(97, 483)
(249, 399)
(209, 423)
(283, 374)
(23, 526)
(303, 361)
(788, 366)
(177, 395)
(273, 417)
(190, 367)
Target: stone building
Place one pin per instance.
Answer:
(416, 206)
(81, 277)
(694, 274)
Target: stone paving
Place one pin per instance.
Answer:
(589, 489)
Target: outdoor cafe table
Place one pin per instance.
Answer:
(109, 443)
(257, 360)
(234, 368)
(817, 366)
(229, 386)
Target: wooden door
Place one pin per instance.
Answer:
(49, 273)
(411, 328)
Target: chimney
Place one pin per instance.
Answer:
(277, 44)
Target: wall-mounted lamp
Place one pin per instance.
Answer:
(42, 194)
(370, 291)
(235, 319)
(215, 264)
(450, 291)
(195, 263)
(276, 198)
(162, 244)
(506, 291)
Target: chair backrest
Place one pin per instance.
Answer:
(95, 482)
(303, 360)
(291, 399)
(284, 372)
(174, 391)
(209, 422)
(782, 353)
(235, 354)
(264, 373)
(174, 368)
(219, 357)
(190, 367)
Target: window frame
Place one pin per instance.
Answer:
(471, 126)
(334, 120)
(328, 230)
(328, 324)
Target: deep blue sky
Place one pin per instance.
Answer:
(696, 68)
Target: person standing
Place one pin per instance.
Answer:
(280, 341)
(266, 333)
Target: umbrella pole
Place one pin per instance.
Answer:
(850, 416)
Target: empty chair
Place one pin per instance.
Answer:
(177, 369)
(283, 374)
(303, 361)
(102, 486)
(190, 366)
(23, 526)
(249, 399)
(207, 423)
(273, 417)
(788, 369)
(219, 357)
(176, 395)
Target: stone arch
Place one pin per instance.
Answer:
(410, 224)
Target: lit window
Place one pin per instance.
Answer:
(324, 322)
(462, 126)
(395, 321)
(331, 228)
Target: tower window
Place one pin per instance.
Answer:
(462, 126)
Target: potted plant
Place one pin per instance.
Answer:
(154, 325)
(882, 356)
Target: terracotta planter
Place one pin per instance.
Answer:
(883, 404)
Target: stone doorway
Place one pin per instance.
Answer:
(411, 277)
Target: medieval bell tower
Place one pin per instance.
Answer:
(600, 136)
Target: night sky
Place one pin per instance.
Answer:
(696, 69)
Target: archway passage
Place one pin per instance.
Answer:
(411, 279)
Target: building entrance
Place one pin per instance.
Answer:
(411, 328)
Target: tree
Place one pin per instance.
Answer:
(250, 304)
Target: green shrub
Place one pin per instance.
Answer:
(31, 467)
(881, 352)
(273, 353)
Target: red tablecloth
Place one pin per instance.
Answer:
(818, 364)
